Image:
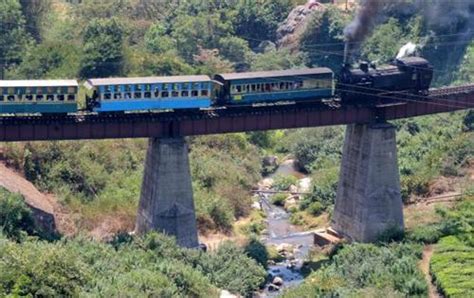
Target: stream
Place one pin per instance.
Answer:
(285, 236)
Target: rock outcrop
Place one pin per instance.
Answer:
(289, 32)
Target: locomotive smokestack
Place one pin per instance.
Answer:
(346, 49)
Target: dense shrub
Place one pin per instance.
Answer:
(283, 182)
(257, 251)
(152, 265)
(359, 267)
(279, 199)
(16, 219)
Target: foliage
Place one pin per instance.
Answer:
(257, 251)
(323, 38)
(14, 39)
(151, 265)
(316, 208)
(283, 182)
(365, 268)
(103, 48)
(16, 219)
(452, 266)
(279, 199)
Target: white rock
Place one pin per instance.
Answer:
(227, 294)
(293, 189)
(277, 281)
(304, 185)
(256, 205)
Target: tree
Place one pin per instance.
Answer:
(323, 38)
(14, 40)
(157, 41)
(103, 48)
(257, 21)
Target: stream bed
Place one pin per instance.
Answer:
(293, 243)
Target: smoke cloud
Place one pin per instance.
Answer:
(407, 50)
(363, 23)
(440, 15)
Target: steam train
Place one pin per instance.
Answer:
(411, 75)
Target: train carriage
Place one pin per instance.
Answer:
(38, 96)
(149, 93)
(272, 86)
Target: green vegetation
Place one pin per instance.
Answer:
(362, 270)
(16, 219)
(452, 266)
(149, 266)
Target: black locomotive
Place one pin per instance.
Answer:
(410, 75)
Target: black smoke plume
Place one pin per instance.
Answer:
(362, 25)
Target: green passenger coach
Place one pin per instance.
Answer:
(40, 96)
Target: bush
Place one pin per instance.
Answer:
(257, 251)
(16, 219)
(357, 267)
(279, 199)
(425, 234)
(316, 208)
(283, 183)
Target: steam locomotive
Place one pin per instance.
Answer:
(410, 75)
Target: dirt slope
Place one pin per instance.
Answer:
(47, 211)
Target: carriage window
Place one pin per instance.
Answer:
(194, 93)
(138, 88)
(267, 87)
(137, 95)
(299, 85)
(204, 93)
(184, 93)
(29, 97)
(117, 95)
(254, 87)
(282, 86)
(148, 88)
(39, 97)
(107, 96)
(71, 90)
(11, 97)
(157, 93)
(107, 89)
(50, 97)
(165, 94)
(61, 97)
(165, 86)
(1, 98)
(147, 94)
(71, 97)
(175, 94)
(128, 88)
(238, 88)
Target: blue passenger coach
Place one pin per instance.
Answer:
(149, 93)
(284, 85)
(38, 96)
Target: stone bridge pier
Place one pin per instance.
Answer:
(166, 201)
(368, 200)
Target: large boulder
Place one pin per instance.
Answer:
(289, 31)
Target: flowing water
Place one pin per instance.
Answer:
(282, 232)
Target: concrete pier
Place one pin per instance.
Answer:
(166, 201)
(368, 200)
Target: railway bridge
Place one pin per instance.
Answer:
(368, 198)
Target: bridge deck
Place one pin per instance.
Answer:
(238, 119)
